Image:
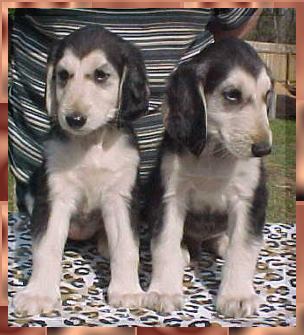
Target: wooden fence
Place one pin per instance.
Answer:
(280, 58)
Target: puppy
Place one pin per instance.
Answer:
(209, 184)
(96, 85)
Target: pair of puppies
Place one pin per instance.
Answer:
(88, 182)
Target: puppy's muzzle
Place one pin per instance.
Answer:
(75, 120)
(261, 149)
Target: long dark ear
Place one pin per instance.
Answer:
(271, 98)
(134, 96)
(186, 117)
(50, 87)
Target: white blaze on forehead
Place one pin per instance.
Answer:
(69, 61)
(87, 64)
(240, 79)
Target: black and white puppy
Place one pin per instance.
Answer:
(210, 180)
(96, 85)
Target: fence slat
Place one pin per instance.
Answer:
(280, 58)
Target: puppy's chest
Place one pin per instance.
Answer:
(210, 175)
(98, 163)
(206, 191)
(95, 168)
(218, 186)
(209, 184)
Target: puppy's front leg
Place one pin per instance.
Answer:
(165, 293)
(124, 289)
(237, 297)
(42, 293)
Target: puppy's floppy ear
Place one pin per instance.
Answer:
(134, 91)
(271, 97)
(271, 103)
(50, 88)
(186, 117)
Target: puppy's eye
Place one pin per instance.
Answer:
(234, 95)
(100, 76)
(63, 75)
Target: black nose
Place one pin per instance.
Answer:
(75, 120)
(261, 149)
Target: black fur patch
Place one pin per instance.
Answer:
(39, 190)
(186, 119)
(21, 191)
(153, 208)
(83, 41)
(259, 205)
(215, 62)
(205, 224)
(202, 227)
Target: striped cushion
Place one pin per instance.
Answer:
(165, 36)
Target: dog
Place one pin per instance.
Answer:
(209, 186)
(96, 86)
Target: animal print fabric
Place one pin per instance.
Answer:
(86, 277)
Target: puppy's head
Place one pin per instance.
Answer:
(222, 95)
(93, 77)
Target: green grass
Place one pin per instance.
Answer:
(281, 169)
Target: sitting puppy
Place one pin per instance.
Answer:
(96, 85)
(210, 181)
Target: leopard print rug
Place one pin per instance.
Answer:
(86, 277)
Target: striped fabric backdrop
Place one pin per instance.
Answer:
(166, 37)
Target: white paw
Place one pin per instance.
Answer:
(236, 305)
(125, 299)
(31, 301)
(164, 302)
